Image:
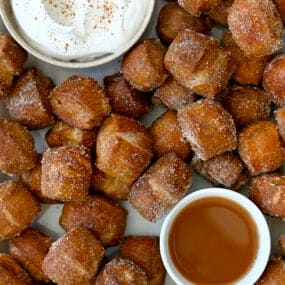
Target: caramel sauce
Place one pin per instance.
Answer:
(213, 240)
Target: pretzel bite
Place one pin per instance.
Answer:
(62, 134)
(208, 127)
(123, 148)
(18, 208)
(161, 187)
(143, 65)
(280, 119)
(220, 12)
(173, 19)
(260, 147)
(280, 4)
(173, 95)
(99, 214)
(11, 272)
(267, 191)
(30, 249)
(17, 154)
(28, 101)
(167, 136)
(225, 169)
(247, 105)
(274, 273)
(121, 271)
(124, 99)
(74, 258)
(80, 101)
(274, 78)
(12, 59)
(196, 7)
(199, 63)
(66, 173)
(112, 187)
(144, 251)
(247, 69)
(256, 26)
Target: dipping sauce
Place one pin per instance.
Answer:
(213, 240)
(78, 29)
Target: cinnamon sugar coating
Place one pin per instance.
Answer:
(143, 65)
(30, 249)
(121, 271)
(173, 19)
(247, 69)
(100, 215)
(144, 251)
(124, 99)
(28, 100)
(167, 136)
(74, 258)
(208, 127)
(162, 185)
(280, 4)
(18, 208)
(80, 101)
(17, 154)
(280, 120)
(256, 26)
(199, 63)
(220, 12)
(12, 272)
(196, 7)
(123, 148)
(66, 173)
(173, 95)
(260, 147)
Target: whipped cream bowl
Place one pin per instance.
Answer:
(76, 33)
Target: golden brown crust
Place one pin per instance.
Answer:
(62, 134)
(273, 79)
(121, 271)
(280, 120)
(196, 7)
(161, 187)
(260, 147)
(198, 63)
(274, 272)
(124, 99)
(12, 59)
(12, 272)
(280, 4)
(173, 95)
(144, 251)
(247, 105)
(112, 187)
(99, 214)
(74, 258)
(256, 26)
(28, 100)
(143, 65)
(247, 69)
(173, 19)
(66, 173)
(18, 208)
(123, 148)
(220, 12)
(167, 136)
(225, 169)
(208, 127)
(17, 154)
(268, 191)
(30, 249)
(80, 101)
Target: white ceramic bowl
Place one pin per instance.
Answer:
(262, 228)
(9, 22)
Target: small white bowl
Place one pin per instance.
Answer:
(9, 22)
(263, 251)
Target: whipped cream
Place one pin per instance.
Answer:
(78, 29)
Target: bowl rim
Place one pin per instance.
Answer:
(264, 249)
(9, 23)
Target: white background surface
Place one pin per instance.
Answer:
(48, 219)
